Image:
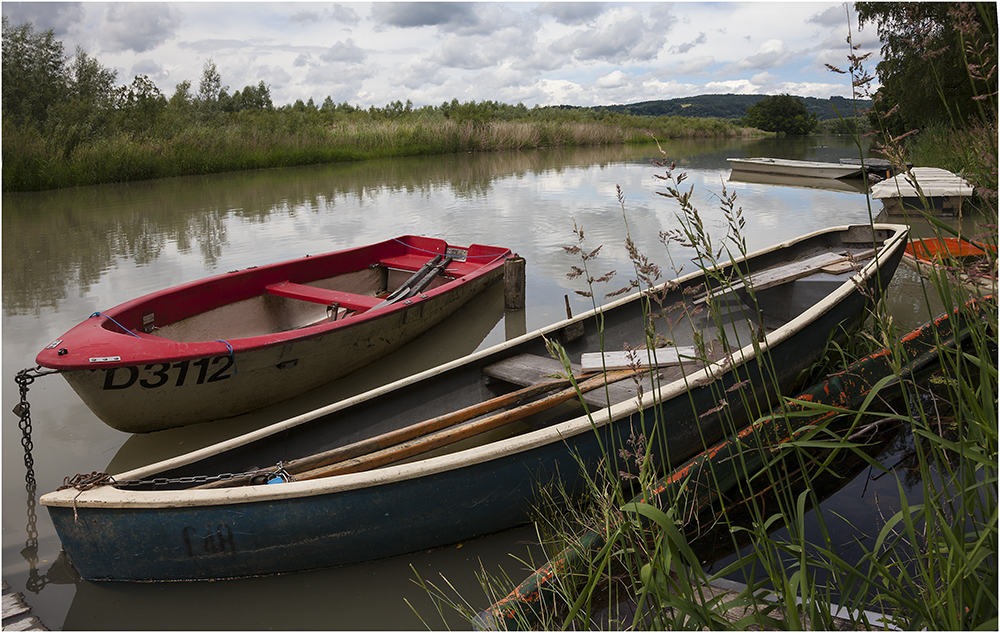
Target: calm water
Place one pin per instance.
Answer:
(67, 254)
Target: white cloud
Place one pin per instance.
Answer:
(614, 79)
(762, 79)
(621, 36)
(771, 54)
(138, 27)
(344, 52)
(578, 53)
(734, 86)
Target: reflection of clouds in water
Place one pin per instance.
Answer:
(176, 230)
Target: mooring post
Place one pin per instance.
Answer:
(513, 276)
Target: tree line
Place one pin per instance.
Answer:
(77, 98)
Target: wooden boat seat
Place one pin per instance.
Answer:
(529, 369)
(833, 263)
(411, 263)
(302, 292)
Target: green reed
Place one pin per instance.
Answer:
(254, 140)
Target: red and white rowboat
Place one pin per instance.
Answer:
(240, 341)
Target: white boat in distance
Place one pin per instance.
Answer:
(788, 167)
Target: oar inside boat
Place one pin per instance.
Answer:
(404, 289)
(447, 436)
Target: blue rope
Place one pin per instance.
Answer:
(231, 354)
(115, 322)
(467, 256)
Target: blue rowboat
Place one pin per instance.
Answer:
(460, 450)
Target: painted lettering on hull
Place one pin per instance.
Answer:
(156, 375)
(214, 540)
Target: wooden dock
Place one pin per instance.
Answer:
(17, 614)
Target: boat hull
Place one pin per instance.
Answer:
(800, 168)
(139, 382)
(945, 256)
(146, 535)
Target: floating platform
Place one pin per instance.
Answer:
(929, 189)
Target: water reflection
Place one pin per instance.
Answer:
(69, 253)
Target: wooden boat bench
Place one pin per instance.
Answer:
(411, 263)
(302, 292)
(526, 370)
(834, 263)
(529, 369)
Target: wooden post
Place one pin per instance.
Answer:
(513, 275)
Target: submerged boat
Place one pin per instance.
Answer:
(240, 341)
(923, 189)
(788, 167)
(974, 265)
(707, 478)
(460, 450)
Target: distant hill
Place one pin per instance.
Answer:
(732, 106)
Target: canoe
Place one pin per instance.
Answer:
(957, 259)
(460, 450)
(706, 478)
(240, 341)
(788, 167)
(923, 189)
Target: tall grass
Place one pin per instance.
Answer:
(33, 161)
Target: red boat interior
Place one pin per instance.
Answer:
(303, 293)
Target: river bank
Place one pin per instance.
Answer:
(34, 161)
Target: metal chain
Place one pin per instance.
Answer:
(278, 471)
(23, 410)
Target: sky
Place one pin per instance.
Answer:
(551, 53)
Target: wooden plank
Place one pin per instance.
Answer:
(526, 369)
(302, 292)
(838, 268)
(14, 606)
(530, 369)
(661, 357)
(794, 270)
(840, 261)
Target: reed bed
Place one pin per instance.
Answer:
(36, 161)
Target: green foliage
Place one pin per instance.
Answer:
(938, 62)
(34, 72)
(781, 113)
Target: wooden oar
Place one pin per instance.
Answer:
(363, 447)
(404, 288)
(449, 436)
(422, 284)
